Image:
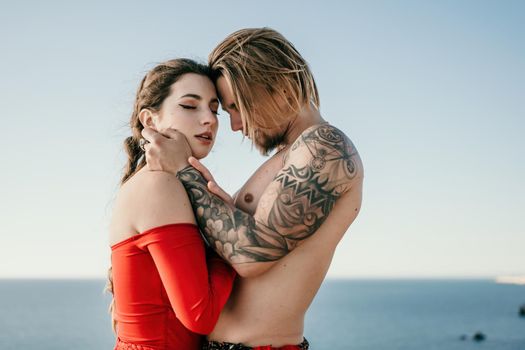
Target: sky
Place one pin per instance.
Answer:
(430, 92)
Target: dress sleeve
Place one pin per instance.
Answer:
(197, 288)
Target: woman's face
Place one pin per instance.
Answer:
(191, 108)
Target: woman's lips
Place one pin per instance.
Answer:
(205, 138)
(203, 141)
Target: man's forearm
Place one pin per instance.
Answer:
(232, 233)
(321, 165)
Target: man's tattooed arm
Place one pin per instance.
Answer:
(320, 166)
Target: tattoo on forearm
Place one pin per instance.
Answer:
(306, 194)
(232, 233)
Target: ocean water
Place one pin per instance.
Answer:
(347, 314)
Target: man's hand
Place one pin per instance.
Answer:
(212, 184)
(167, 151)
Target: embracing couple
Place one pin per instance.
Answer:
(192, 267)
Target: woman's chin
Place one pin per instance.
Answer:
(200, 151)
(199, 154)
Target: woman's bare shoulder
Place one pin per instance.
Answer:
(150, 199)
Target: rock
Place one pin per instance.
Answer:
(478, 336)
(522, 310)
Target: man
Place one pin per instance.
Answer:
(282, 227)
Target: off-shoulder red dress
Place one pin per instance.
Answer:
(167, 294)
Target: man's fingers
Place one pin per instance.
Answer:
(216, 190)
(149, 134)
(212, 185)
(194, 162)
(172, 133)
(155, 137)
(165, 151)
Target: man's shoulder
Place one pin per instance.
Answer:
(325, 151)
(325, 134)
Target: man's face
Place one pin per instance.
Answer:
(264, 139)
(229, 104)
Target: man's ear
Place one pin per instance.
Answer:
(148, 118)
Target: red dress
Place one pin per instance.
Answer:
(166, 294)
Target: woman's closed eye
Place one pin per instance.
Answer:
(214, 111)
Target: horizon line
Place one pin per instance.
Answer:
(333, 278)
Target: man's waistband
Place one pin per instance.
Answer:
(215, 345)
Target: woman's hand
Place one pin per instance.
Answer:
(168, 151)
(212, 185)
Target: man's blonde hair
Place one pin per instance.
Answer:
(270, 80)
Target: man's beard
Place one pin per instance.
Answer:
(266, 142)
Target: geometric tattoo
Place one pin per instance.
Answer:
(318, 169)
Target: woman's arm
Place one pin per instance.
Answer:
(197, 291)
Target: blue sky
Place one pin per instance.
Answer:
(431, 93)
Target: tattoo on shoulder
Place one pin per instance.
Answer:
(318, 169)
(330, 148)
(309, 192)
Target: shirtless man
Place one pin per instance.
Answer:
(281, 229)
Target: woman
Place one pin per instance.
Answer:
(165, 291)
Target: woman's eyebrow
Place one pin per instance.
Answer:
(197, 97)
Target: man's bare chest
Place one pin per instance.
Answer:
(248, 196)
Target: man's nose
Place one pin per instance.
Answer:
(235, 122)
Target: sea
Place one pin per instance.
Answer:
(346, 314)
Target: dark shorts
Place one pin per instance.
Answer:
(215, 345)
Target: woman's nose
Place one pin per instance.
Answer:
(209, 118)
